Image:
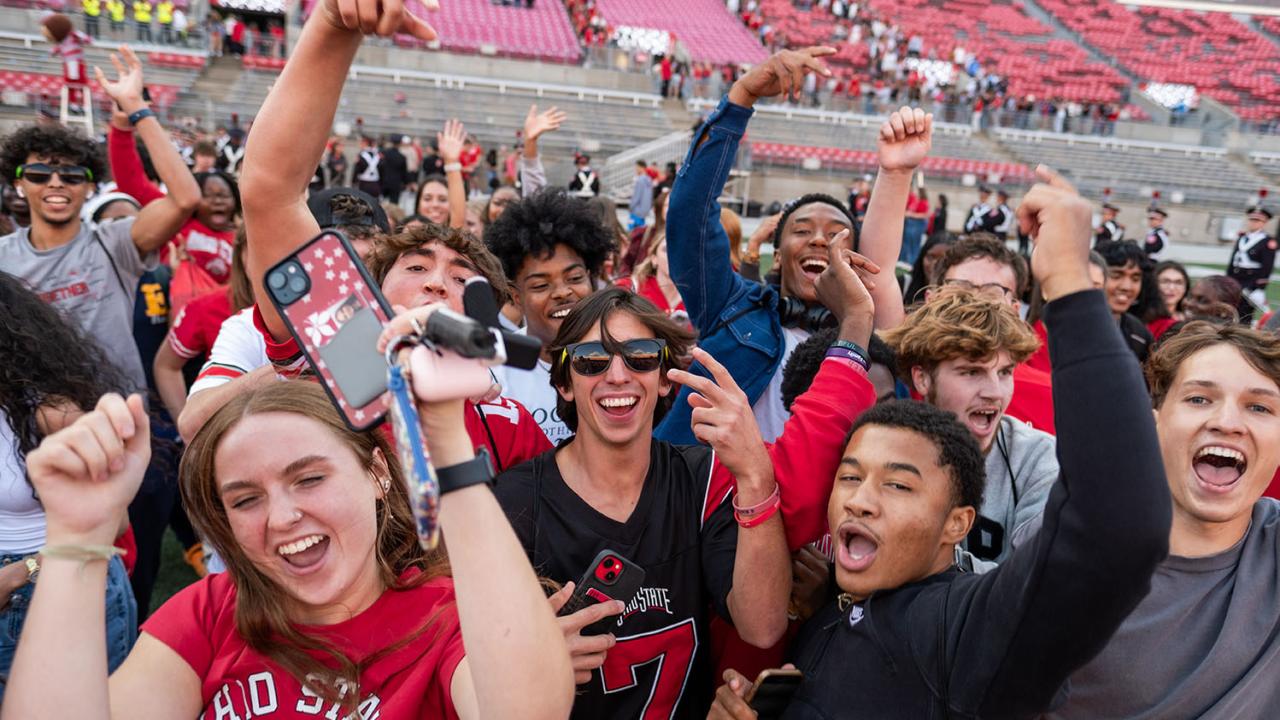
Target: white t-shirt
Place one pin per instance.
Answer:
(770, 414)
(533, 389)
(22, 524)
(239, 350)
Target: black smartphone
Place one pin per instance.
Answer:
(772, 691)
(609, 577)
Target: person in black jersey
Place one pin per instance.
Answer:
(911, 636)
(672, 509)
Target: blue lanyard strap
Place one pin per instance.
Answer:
(424, 490)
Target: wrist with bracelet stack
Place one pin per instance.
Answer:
(849, 352)
(753, 515)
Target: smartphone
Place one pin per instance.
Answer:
(334, 310)
(609, 577)
(772, 691)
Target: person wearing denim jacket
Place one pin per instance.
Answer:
(736, 319)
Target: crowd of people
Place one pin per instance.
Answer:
(995, 485)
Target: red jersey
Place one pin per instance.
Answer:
(196, 325)
(236, 681)
(503, 426)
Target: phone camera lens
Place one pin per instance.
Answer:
(609, 563)
(277, 280)
(609, 576)
(298, 284)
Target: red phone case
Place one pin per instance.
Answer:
(336, 323)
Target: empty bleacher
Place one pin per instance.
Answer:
(1202, 175)
(1221, 56)
(706, 27)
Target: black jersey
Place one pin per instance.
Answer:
(682, 533)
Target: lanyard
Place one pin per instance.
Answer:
(424, 490)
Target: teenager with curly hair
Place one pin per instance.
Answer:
(50, 374)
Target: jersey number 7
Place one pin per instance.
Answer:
(672, 648)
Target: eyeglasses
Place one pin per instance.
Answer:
(992, 290)
(1172, 282)
(41, 173)
(642, 355)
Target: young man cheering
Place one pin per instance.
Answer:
(910, 636)
(959, 352)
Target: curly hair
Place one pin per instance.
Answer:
(805, 361)
(45, 359)
(959, 322)
(958, 452)
(389, 248)
(54, 142)
(983, 245)
(534, 226)
(1260, 349)
(595, 310)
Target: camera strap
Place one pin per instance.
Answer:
(424, 489)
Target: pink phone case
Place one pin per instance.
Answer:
(336, 324)
(446, 376)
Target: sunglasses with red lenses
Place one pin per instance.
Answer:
(42, 173)
(592, 358)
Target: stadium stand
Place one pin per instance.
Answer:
(1222, 57)
(705, 27)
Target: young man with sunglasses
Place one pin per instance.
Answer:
(671, 509)
(911, 636)
(743, 323)
(89, 274)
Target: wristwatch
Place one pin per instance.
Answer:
(33, 567)
(140, 115)
(476, 471)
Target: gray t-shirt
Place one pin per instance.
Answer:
(79, 280)
(1204, 643)
(1022, 467)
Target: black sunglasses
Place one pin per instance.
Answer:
(41, 173)
(592, 358)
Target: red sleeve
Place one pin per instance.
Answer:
(197, 324)
(515, 435)
(126, 168)
(184, 622)
(808, 453)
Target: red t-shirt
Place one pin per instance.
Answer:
(1160, 327)
(1039, 360)
(196, 325)
(1032, 401)
(650, 290)
(503, 426)
(236, 681)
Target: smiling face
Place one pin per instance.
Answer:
(303, 509)
(1124, 282)
(547, 288)
(55, 202)
(892, 511)
(433, 202)
(431, 273)
(976, 391)
(217, 205)
(616, 407)
(803, 248)
(1219, 427)
(1173, 287)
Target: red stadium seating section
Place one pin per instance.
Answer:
(262, 62)
(706, 27)
(176, 60)
(1223, 58)
(803, 28)
(1010, 43)
(542, 32)
(50, 86)
(865, 161)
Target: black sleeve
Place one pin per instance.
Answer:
(1267, 256)
(1016, 634)
(575, 183)
(719, 543)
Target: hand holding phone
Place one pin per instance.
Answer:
(772, 691)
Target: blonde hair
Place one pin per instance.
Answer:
(959, 322)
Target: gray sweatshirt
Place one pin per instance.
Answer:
(1204, 643)
(1023, 462)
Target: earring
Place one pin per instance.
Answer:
(386, 485)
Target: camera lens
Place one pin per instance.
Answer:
(609, 576)
(609, 562)
(298, 284)
(277, 280)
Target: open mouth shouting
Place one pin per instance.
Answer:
(857, 547)
(812, 267)
(983, 421)
(305, 552)
(1218, 468)
(561, 312)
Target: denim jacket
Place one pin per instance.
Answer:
(736, 319)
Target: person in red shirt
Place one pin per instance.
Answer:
(652, 280)
(201, 249)
(1039, 360)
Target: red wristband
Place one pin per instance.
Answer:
(754, 515)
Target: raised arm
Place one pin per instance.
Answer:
(1106, 524)
(450, 141)
(289, 134)
(160, 219)
(904, 141)
(533, 177)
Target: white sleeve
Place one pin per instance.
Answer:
(238, 350)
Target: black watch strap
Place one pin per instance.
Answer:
(476, 471)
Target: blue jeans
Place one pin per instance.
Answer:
(912, 232)
(122, 618)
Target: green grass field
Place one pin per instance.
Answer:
(174, 573)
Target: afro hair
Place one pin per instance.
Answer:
(54, 142)
(534, 226)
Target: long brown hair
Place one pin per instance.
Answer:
(239, 288)
(262, 615)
